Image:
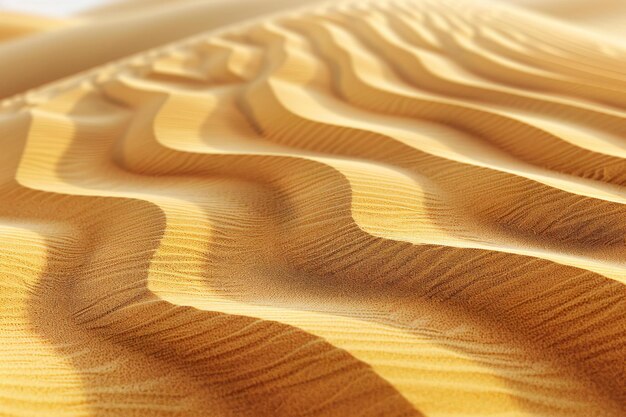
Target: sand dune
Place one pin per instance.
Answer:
(101, 38)
(399, 208)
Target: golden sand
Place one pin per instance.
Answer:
(381, 208)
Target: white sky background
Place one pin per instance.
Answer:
(56, 8)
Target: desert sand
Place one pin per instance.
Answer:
(361, 208)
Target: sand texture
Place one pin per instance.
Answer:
(373, 208)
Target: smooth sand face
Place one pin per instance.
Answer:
(400, 208)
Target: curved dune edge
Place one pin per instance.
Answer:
(385, 209)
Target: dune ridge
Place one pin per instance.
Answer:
(396, 208)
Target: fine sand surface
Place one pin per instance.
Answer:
(371, 208)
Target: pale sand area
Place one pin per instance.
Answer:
(372, 208)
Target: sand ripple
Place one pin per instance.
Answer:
(376, 209)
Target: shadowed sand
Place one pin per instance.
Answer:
(383, 208)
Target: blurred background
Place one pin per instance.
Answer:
(592, 11)
(603, 16)
(89, 33)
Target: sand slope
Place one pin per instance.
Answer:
(404, 208)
